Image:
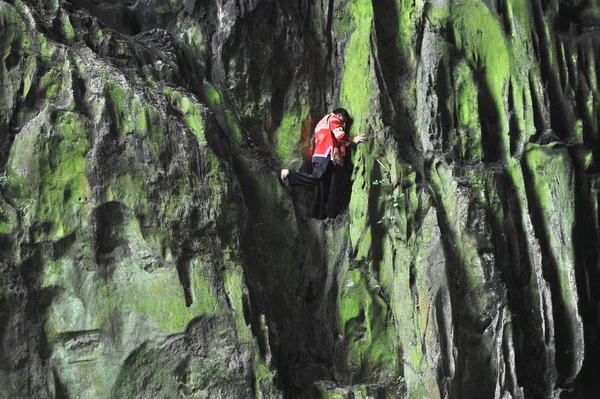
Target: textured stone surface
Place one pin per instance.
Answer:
(148, 249)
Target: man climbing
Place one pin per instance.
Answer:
(331, 141)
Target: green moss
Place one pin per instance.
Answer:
(46, 48)
(409, 293)
(289, 133)
(99, 34)
(467, 113)
(50, 84)
(21, 176)
(156, 139)
(53, 273)
(358, 391)
(358, 210)
(546, 166)
(552, 188)
(478, 297)
(117, 97)
(590, 108)
(344, 23)
(579, 130)
(358, 92)
(67, 27)
(205, 294)
(194, 122)
(191, 112)
(365, 244)
(122, 48)
(588, 159)
(480, 35)
(131, 113)
(8, 216)
(158, 297)
(212, 95)
(235, 289)
(224, 113)
(218, 183)
(545, 163)
(127, 189)
(29, 76)
(438, 15)
(13, 30)
(263, 374)
(63, 186)
(325, 394)
(370, 344)
(407, 9)
(359, 95)
(142, 122)
(523, 70)
(191, 37)
(351, 301)
(234, 127)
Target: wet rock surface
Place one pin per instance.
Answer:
(148, 248)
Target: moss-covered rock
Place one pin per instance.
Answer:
(148, 249)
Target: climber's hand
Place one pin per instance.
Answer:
(359, 139)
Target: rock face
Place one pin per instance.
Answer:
(149, 250)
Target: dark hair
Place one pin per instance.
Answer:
(342, 112)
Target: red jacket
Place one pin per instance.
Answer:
(328, 133)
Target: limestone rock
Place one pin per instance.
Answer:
(149, 250)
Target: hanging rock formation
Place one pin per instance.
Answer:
(149, 250)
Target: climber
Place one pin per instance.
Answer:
(331, 141)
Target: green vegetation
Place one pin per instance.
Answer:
(358, 92)
(467, 112)
(63, 186)
(131, 114)
(191, 112)
(213, 95)
(14, 32)
(406, 10)
(29, 76)
(191, 37)
(51, 84)
(67, 27)
(128, 189)
(557, 207)
(235, 289)
(548, 165)
(480, 35)
(119, 100)
(8, 217)
(289, 133)
(369, 345)
(158, 297)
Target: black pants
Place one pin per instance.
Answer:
(321, 178)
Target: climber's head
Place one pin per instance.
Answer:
(342, 113)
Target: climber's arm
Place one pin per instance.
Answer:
(337, 127)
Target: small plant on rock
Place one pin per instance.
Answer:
(391, 201)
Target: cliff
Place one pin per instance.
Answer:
(148, 248)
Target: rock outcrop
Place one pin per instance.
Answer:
(148, 248)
